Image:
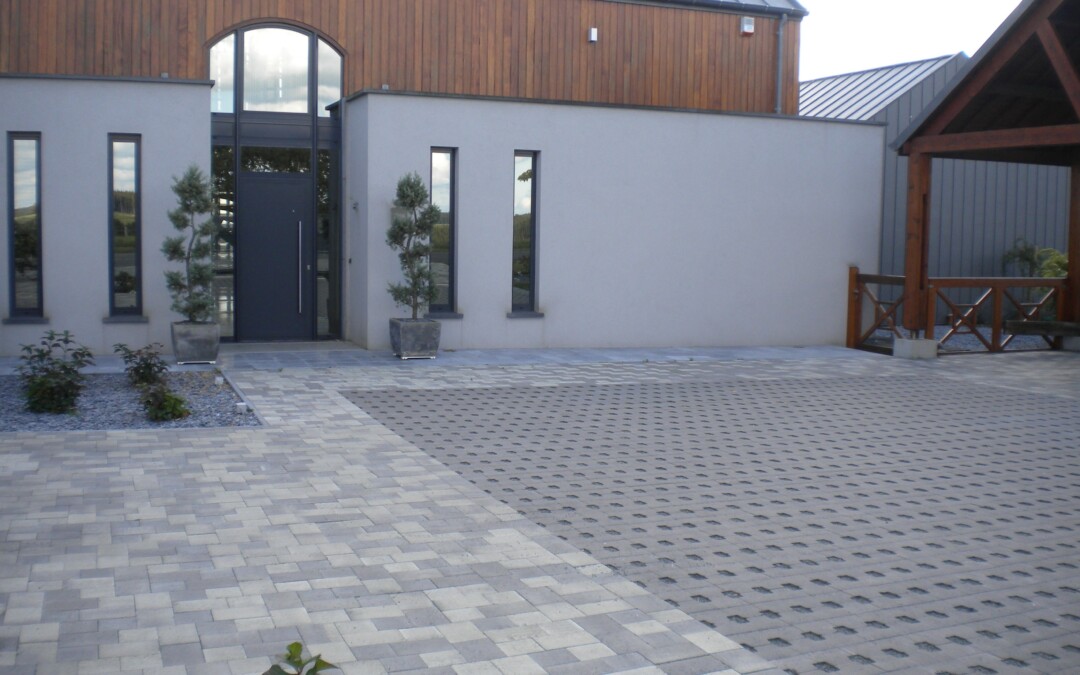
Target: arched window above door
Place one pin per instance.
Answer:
(277, 66)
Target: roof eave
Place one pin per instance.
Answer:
(917, 125)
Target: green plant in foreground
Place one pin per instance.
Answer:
(294, 658)
(410, 235)
(162, 404)
(144, 367)
(192, 289)
(50, 372)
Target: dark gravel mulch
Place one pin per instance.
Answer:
(109, 402)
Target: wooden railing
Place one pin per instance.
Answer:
(975, 306)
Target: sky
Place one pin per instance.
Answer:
(844, 36)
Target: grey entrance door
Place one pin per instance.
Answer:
(274, 278)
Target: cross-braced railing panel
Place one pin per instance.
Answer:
(976, 307)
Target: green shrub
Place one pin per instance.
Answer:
(294, 658)
(192, 289)
(162, 405)
(50, 372)
(144, 367)
(410, 235)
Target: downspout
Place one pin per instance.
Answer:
(780, 64)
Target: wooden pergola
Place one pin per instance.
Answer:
(1017, 101)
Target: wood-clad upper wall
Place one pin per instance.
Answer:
(537, 49)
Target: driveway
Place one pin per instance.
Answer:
(646, 512)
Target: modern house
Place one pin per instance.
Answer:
(612, 172)
(980, 209)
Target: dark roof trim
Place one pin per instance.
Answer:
(103, 78)
(1004, 29)
(791, 8)
(363, 93)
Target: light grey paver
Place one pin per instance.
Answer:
(210, 550)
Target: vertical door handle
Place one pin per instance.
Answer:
(299, 267)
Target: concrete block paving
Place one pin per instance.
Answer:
(908, 518)
(832, 511)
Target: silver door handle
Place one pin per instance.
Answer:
(299, 267)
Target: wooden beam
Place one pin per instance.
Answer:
(985, 71)
(917, 242)
(1070, 308)
(1059, 58)
(998, 139)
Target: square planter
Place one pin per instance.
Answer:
(195, 342)
(415, 338)
(908, 348)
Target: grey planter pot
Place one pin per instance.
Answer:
(415, 338)
(195, 342)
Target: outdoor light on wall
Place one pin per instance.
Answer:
(746, 26)
(594, 34)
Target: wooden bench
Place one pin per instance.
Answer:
(1048, 328)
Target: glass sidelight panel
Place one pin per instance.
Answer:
(24, 218)
(442, 237)
(329, 77)
(327, 247)
(276, 70)
(524, 254)
(125, 227)
(224, 180)
(223, 73)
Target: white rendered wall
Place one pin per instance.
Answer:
(654, 228)
(75, 118)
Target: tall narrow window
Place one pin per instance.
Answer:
(223, 73)
(125, 257)
(327, 245)
(24, 223)
(442, 238)
(224, 180)
(329, 77)
(526, 170)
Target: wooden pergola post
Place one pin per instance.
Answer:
(917, 243)
(1070, 308)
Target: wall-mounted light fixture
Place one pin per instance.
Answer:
(746, 25)
(594, 34)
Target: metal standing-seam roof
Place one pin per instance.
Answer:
(789, 7)
(861, 95)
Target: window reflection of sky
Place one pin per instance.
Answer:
(522, 188)
(275, 70)
(440, 180)
(329, 77)
(25, 165)
(222, 72)
(124, 167)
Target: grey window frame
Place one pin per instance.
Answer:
(137, 310)
(14, 311)
(530, 310)
(449, 310)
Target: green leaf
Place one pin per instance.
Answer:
(294, 654)
(276, 670)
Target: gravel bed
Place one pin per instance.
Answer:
(109, 402)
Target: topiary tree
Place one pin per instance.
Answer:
(192, 288)
(410, 236)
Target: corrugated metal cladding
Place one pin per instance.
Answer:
(860, 96)
(977, 209)
(791, 7)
